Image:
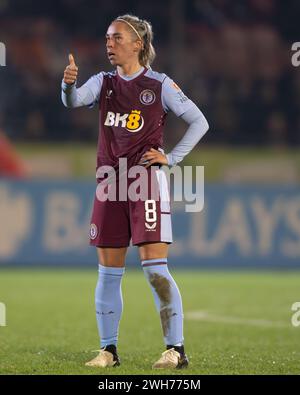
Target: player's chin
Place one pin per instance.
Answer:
(113, 62)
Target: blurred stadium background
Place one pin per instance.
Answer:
(234, 60)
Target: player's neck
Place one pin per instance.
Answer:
(129, 69)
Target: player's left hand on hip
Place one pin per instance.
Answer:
(153, 156)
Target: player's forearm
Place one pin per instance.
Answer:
(198, 126)
(73, 97)
(69, 95)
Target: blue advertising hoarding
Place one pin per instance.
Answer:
(47, 224)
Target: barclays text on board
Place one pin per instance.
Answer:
(47, 223)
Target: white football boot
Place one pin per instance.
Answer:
(171, 359)
(105, 358)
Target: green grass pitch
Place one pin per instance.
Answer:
(235, 323)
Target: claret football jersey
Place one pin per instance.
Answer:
(132, 113)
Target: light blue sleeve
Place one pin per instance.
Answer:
(173, 99)
(198, 126)
(87, 95)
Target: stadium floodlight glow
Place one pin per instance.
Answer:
(2, 314)
(2, 54)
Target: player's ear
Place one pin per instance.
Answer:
(137, 45)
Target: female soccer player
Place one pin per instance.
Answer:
(133, 102)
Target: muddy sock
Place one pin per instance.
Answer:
(167, 299)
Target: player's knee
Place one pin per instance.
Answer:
(112, 257)
(153, 251)
(108, 263)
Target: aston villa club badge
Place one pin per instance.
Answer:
(147, 97)
(93, 231)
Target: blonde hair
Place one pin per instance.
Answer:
(143, 30)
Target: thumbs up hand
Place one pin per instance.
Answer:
(71, 71)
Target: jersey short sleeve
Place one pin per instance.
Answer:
(173, 99)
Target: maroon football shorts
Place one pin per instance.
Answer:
(116, 223)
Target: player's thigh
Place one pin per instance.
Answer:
(110, 226)
(153, 250)
(112, 257)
